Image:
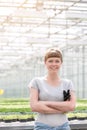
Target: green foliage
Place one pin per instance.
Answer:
(20, 109)
(16, 116)
(15, 105)
(15, 109)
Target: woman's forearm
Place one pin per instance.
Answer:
(64, 106)
(40, 106)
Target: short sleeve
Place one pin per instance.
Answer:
(33, 84)
(71, 86)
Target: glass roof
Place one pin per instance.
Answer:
(30, 26)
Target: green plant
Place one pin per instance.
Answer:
(20, 109)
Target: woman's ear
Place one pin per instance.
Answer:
(44, 62)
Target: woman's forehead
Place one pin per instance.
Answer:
(53, 58)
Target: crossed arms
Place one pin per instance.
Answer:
(51, 107)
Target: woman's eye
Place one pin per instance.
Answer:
(57, 61)
(50, 61)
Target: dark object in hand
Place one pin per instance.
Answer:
(66, 95)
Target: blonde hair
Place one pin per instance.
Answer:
(53, 52)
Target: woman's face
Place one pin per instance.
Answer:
(53, 64)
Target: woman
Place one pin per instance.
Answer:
(52, 96)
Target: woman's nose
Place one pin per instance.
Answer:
(54, 63)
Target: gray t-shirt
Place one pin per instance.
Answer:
(50, 93)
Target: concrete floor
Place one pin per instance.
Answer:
(75, 125)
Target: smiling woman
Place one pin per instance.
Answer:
(53, 60)
(53, 53)
(47, 95)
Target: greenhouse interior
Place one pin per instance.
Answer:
(27, 29)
